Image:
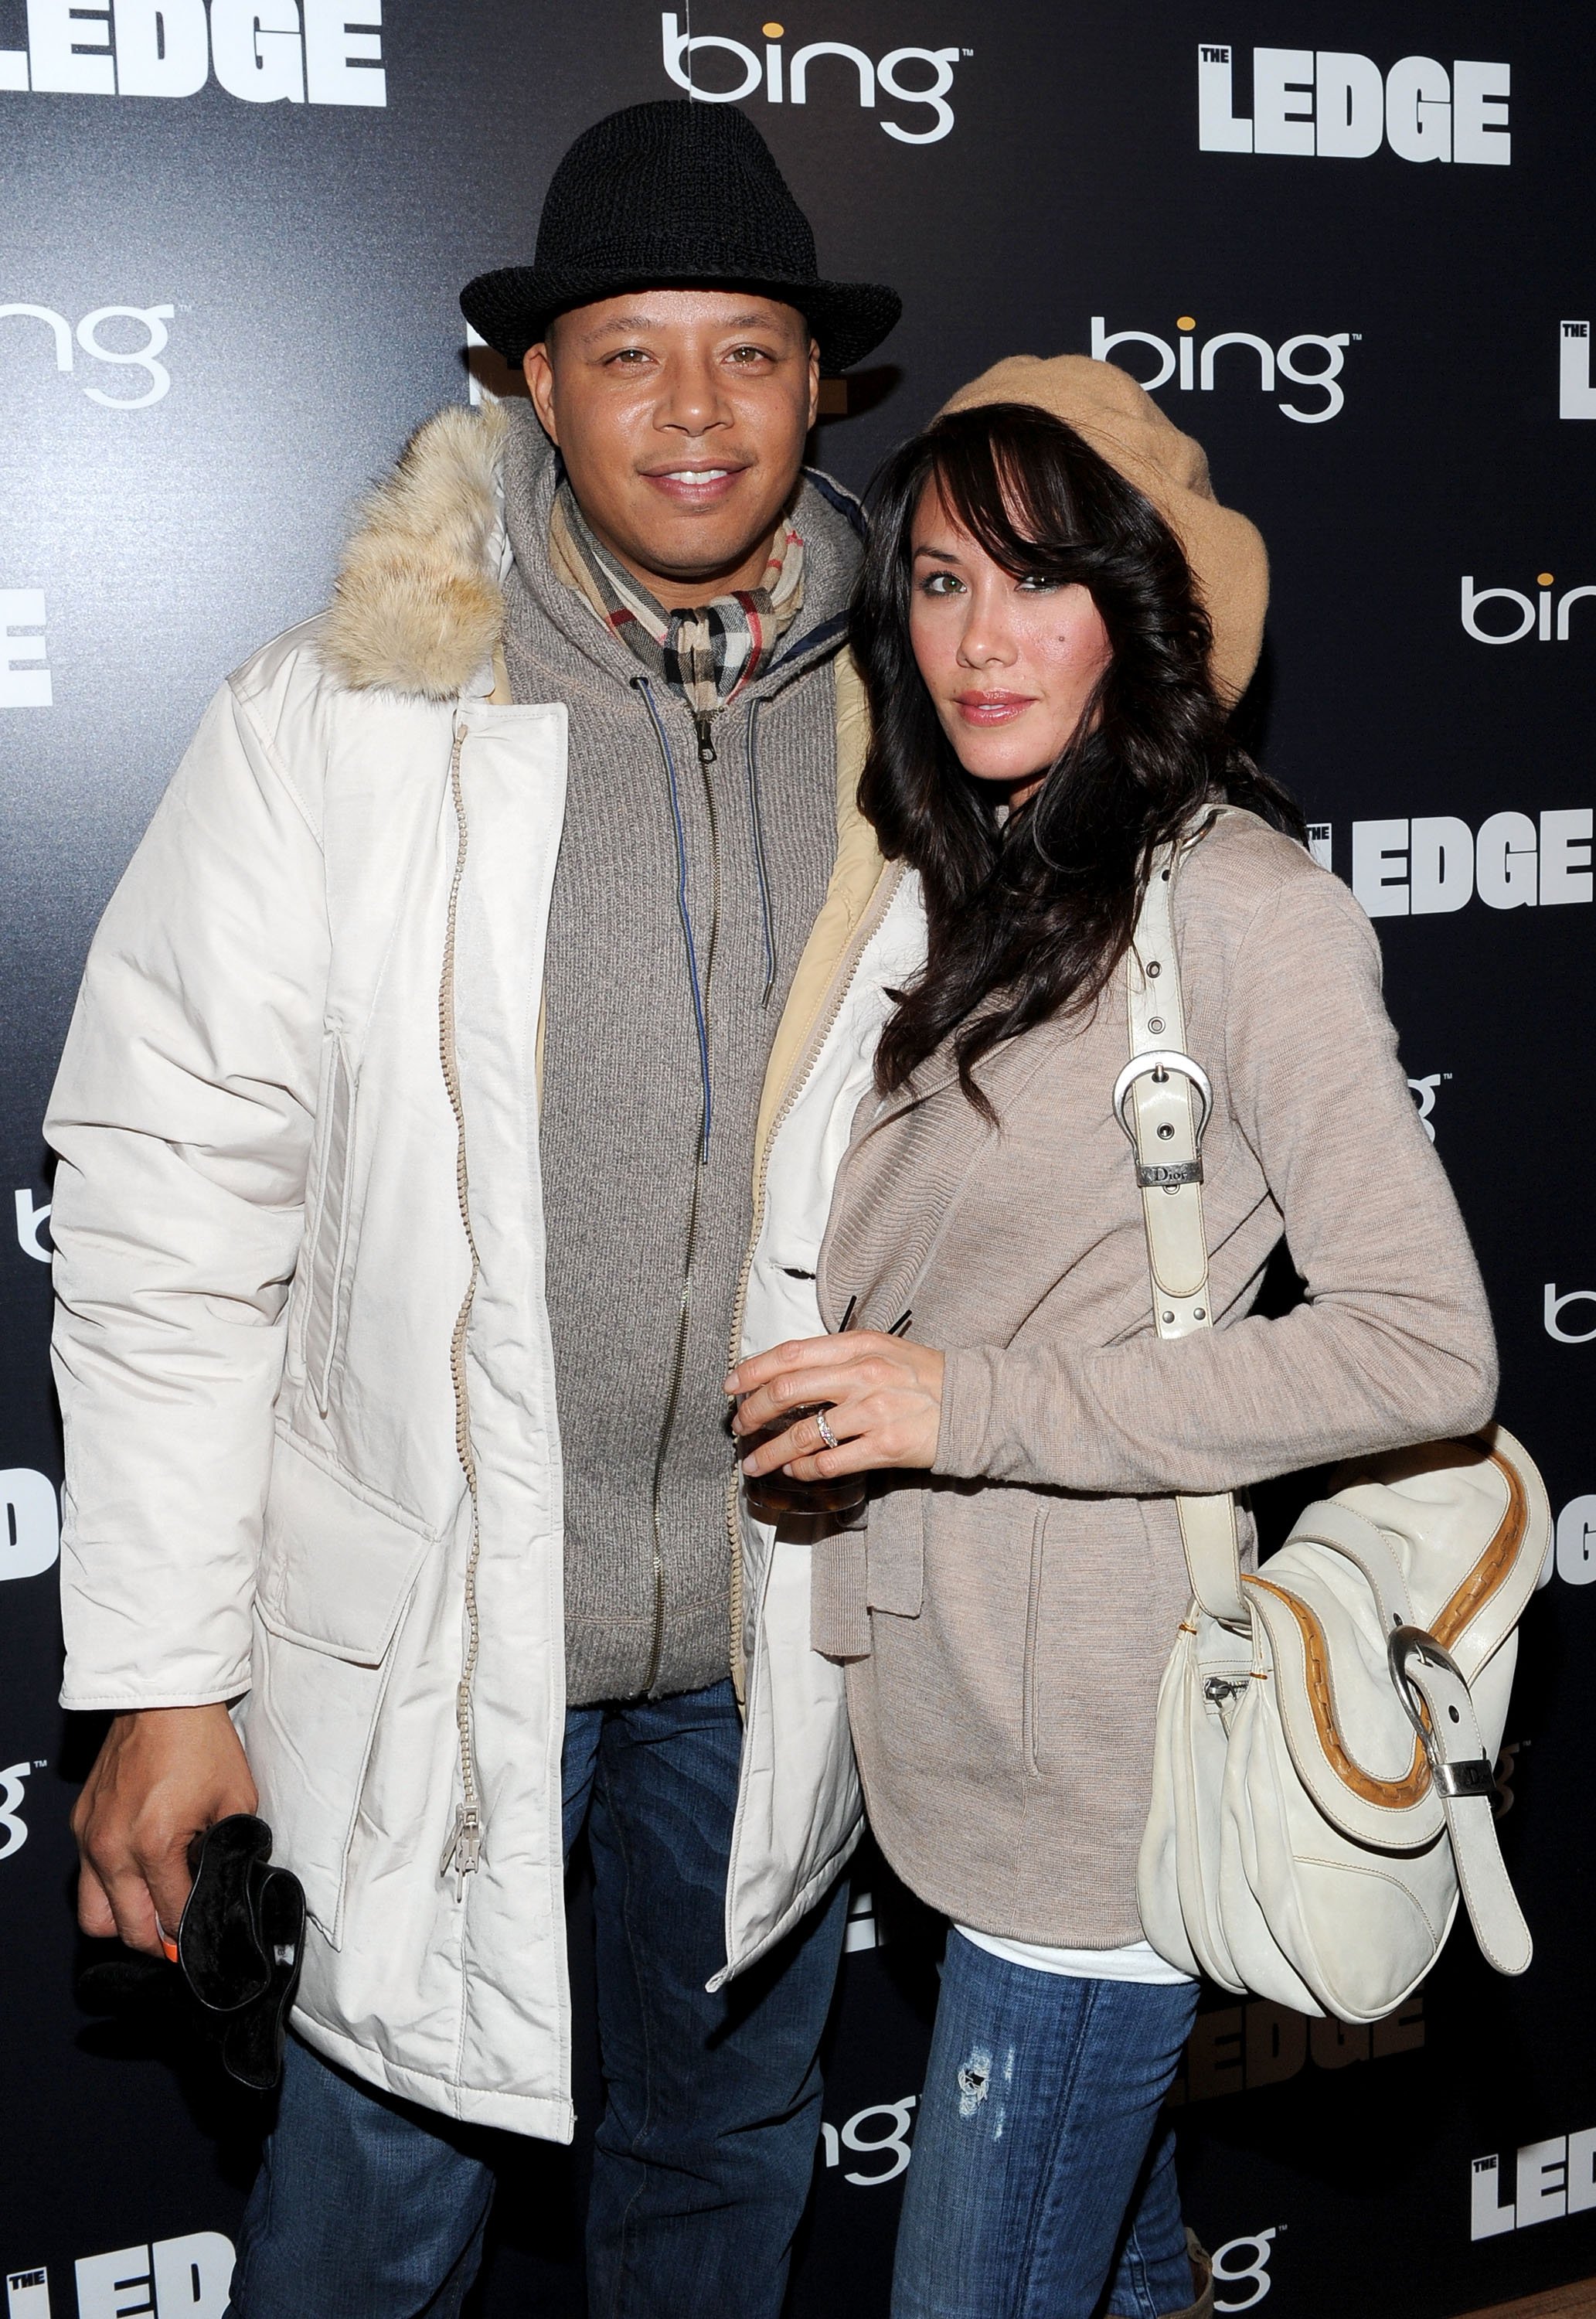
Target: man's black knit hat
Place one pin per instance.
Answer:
(674, 194)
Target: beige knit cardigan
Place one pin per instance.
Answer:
(1006, 1618)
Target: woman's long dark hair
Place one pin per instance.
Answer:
(1031, 915)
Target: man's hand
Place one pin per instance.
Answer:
(163, 1774)
(885, 1397)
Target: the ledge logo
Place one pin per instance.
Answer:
(1327, 104)
(173, 2279)
(296, 51)
(24, 673)
(1435, 863)
(1541, 614)
(1549, 2179)
(1577, 392)
(1194, 364)
(785, 79)
(1237, 2048)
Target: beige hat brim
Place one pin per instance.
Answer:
(1123, 424)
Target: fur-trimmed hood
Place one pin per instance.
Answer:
(417, 603)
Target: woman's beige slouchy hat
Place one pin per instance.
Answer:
(1123, 424)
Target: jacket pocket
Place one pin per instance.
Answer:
(895, 1553)
(329, 1231)
(337, 1569)
(1100, 1622)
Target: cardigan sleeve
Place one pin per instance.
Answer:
(1393, 1343)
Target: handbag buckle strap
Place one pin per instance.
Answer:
(1435, 1697)
(1476, 1777)
(1160, 1063)
(1167, 1176)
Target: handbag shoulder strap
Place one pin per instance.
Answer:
(1162, 1099)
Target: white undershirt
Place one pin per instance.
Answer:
(1136, 1960)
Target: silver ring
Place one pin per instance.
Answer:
(823, 1427)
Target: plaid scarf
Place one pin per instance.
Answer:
(707, 654)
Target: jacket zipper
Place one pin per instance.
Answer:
(704, 730)
(463, 1850)
(842, 982)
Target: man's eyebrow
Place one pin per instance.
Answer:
(621, 325)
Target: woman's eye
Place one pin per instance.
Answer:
(1037, 583)
(940, 583)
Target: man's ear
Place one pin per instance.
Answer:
(538, 371)
(814, 380)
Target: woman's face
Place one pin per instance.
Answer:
(1009, 664)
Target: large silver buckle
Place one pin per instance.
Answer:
(1155, 1174)
(1474, 1775)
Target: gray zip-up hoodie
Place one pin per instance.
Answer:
(684, 893)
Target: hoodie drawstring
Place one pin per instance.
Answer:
(761, 869)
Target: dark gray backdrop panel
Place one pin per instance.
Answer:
(311, 255)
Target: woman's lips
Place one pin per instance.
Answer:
(993, 707)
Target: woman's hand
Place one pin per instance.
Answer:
(885, 1398)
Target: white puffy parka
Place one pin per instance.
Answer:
(312, 1449)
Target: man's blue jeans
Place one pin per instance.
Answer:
(367, 2207)
(1035, 2176)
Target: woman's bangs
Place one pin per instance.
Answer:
(996, 490)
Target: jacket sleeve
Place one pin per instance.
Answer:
(182, 1118)
(1393, 1343)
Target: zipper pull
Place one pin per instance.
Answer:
(705, 739)
(463, 1850)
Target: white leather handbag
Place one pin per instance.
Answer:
(1328, 1729)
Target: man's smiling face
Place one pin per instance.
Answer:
(681, 417)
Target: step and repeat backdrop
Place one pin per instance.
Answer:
(1347, 247)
